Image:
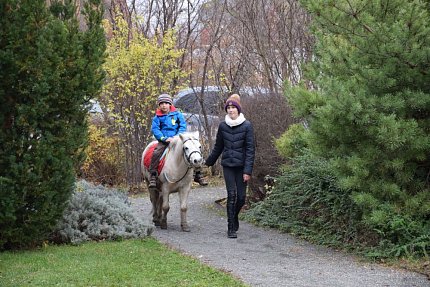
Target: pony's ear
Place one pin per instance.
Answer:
(182, 137)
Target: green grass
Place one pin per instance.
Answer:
(125, 263)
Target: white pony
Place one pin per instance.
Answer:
(183, 155)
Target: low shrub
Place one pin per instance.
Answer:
(399, 235)
(97, 213)
(308, 202)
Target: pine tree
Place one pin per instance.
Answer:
(49, 69)
(370, 111)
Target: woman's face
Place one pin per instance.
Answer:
(232, 112)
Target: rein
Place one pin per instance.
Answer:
(170, 181)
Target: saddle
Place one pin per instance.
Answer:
(148, 156)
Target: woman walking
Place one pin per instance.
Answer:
(235, 141)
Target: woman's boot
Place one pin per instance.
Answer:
(231, 233)
(239, 204)
(236, 222)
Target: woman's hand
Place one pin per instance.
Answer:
(246, 177)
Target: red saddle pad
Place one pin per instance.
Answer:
(148, 155)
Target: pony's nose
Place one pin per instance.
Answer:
(197, 160)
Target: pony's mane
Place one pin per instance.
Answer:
(174, 143)
(177, 139)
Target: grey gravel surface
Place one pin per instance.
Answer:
(266, 257)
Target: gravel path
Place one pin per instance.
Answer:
(265, 257)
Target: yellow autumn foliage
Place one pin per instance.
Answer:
(138, 69)
(103, 162)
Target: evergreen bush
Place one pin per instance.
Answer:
(49, 70)
(97, 213)
(293, 142)
(307, 201)
(369, 114)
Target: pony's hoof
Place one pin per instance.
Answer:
(185, 228)
(163, 225)
(156, 223)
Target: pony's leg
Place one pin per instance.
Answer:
(164, 204)
(159, 209)
(154, 196)
(183, 200)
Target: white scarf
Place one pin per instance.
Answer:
(232, 123)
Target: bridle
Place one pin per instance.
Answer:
(187, 160)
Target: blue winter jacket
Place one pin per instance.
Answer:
(168, 125)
